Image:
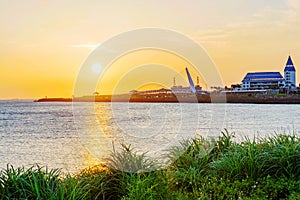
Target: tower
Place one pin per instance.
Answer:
(290, 74)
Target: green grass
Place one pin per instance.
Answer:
(200, 168)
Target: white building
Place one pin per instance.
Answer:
(262, 80)
(290, 74)
(271, 80)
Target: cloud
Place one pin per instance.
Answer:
(266, 19)
(87, 46)
(215, 37)
(270, 16)
(294, 4)
(293, 13)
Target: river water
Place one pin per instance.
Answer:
(72, 136)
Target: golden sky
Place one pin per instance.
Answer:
(43, 44)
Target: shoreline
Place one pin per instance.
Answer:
(246, 98)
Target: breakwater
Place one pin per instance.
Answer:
(256, 98)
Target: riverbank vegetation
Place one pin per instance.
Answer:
(267, 168)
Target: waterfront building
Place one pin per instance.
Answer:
(290, 74)
(181, 89)
(271, 80)
(262, 80)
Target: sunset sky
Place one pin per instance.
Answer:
(43, 43)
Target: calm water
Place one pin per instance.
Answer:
(72, 136)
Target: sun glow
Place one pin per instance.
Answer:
(41, 56)
(138, 70)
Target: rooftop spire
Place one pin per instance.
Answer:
(289, 65)
(289, 61)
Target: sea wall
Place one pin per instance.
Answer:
(256, 98)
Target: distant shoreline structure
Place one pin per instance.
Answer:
(228, 97)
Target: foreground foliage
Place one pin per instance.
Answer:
(202, 169)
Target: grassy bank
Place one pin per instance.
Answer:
(202, 169)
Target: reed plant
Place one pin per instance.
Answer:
(33, 183)
(129, 160)
(267, 168)
(274, 156)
